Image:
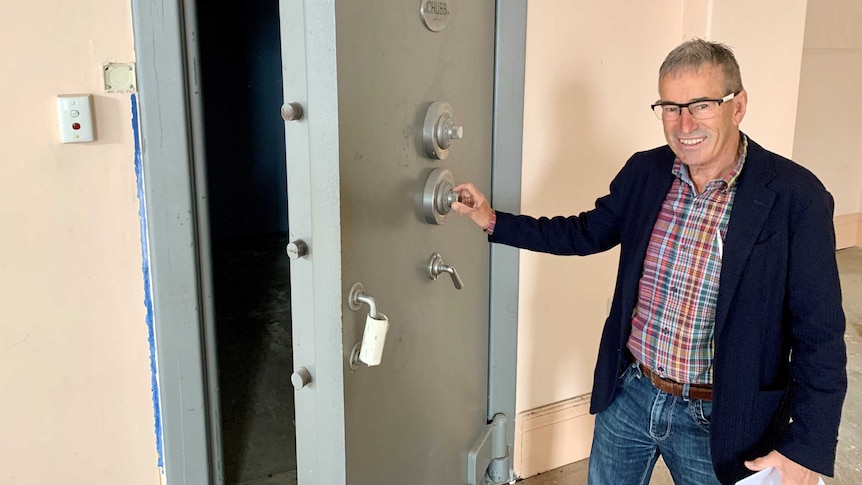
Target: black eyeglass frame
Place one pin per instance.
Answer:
(720, 101)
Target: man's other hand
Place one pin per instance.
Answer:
(792, 473)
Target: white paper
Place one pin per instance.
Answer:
(768, 476)
(373, 339)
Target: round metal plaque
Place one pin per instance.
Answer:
(436, 14)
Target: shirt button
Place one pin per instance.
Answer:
(660, 369)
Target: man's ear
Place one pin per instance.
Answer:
(740, 103)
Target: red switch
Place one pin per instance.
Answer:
(76, 126)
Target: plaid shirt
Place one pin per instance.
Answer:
(674, 320)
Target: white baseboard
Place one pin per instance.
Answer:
(553, 436)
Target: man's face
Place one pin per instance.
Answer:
(703, 144)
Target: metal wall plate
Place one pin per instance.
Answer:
(119, 77)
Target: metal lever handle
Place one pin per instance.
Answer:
(456, 280)
(357, 297)
(437, 267)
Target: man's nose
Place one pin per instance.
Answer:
(686, 120)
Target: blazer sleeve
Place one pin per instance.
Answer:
(590, 232)
(819, 355)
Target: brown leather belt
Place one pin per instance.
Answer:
(695, 391)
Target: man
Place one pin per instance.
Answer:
(724, 349)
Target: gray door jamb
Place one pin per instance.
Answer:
(174, 183)
(509, 65)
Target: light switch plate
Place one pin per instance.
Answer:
(75, 116)
(120, 77)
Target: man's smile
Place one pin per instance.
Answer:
(691, 141)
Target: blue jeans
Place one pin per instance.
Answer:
(642, 423)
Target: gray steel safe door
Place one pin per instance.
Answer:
(382, 98)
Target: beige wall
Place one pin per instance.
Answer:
(591, 75)
(74, 364)
(829, 126)
(766, 36)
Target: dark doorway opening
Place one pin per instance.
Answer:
(241, 79)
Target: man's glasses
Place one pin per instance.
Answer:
(701, 109)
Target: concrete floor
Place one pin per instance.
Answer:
(848, 466)
(252, 285)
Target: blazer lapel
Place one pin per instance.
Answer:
(751, 207)
(658, 182)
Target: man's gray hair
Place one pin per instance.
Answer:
(691, 55)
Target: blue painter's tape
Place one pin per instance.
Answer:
(148, 294)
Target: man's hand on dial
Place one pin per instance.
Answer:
(473, 204)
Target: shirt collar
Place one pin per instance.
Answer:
(681, 170)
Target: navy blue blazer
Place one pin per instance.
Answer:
(780, 358)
